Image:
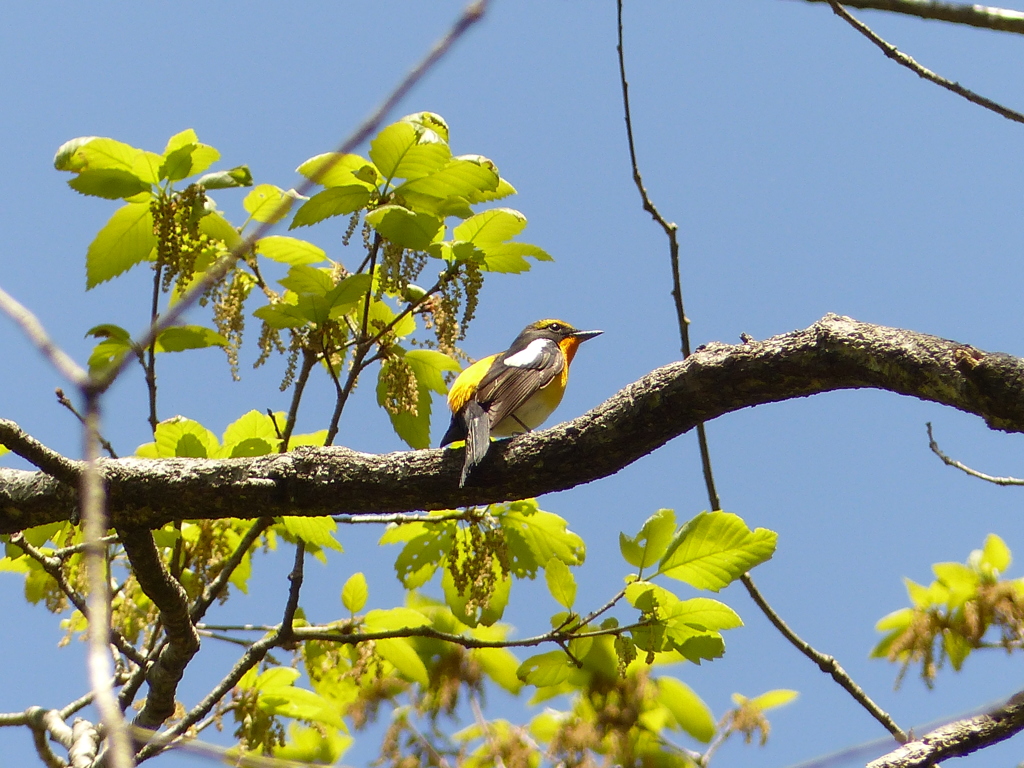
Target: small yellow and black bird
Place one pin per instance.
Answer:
(513, 391)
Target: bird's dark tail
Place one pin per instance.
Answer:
(478, 437)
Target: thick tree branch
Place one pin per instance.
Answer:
(833, 354)
(985, 17)
(183, 641)
(959, 738)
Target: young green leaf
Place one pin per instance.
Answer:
(333, 170)
(355, 593)
(95, 152)
(318, 531)
(178, 338)
(267, 203)
(714, 549)
(333, 201)
(239, 176)
(182, 437)
(460, 177)
(651, 543)
(405, 151)
(124, 241)
(533, 537)
(403, 227)
(772, 699)
(545, 669)
(410, 419)
(426, 545)
(995, 556)
(402, 655)
(561, 583)
(429, 365)
(687, 708)
(252, 425)
(108, 183)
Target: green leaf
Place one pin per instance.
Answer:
(475, 614)
(318, 531)
(108, 183)
(251, 446)
(545, 669)
(429, 365)
(355, 593)
(178, 338)
(503, 190)
(509, 257)
(333, 201)
(267, 203)
(290, 250)
(772, 699)
(311, 280)
(500, 664)
(430, 121)
(216, 227)
(957, 647)
(308, 745)
(411, 422)
(534, 537)
(703, 614)
(94, 153)
(491, 227)
(251, 425)
(116, 343)
(183, 437)
(392, 619)
(687, 708)
(239, 176)
(401, 653)
(995, 555)
(460, 177)
(124, 241)
(714, 549)
(282, 315)
(428, 545)
(401, 226)
(333, 170)
(185, 156)
(648, 546)
(404, 151)
(301, 704)
(961, 582)
(561, 583)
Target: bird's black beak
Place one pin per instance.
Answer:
(584, 335)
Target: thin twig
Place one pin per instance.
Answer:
(214, 588)
(981, 16)
(36, 334)
(94, 520)
(825, 662)
(309, 359)
(671, 230)
(964, 468)
(470, 16)
(899, 57)
(66, 402)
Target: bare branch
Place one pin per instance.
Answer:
(36, 334)
(982, 16)
(183, 642)
(30, 449)
(964, 468)
(671, 229)
(66, 402)
(960, 738)
(899, 57)
(826, 663)
(94, 520)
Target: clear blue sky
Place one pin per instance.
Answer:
(808, 174)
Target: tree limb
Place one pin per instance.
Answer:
(982, 16)
(959, 738)
(833, 354)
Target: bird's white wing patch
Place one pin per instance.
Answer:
(529, 357)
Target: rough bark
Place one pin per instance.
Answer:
(834, 353)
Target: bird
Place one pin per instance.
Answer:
(513, 391)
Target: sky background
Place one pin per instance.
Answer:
(808, 174)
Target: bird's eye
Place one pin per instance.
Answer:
(556, 327)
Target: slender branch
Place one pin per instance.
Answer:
(94, 520)
(309, 359)
(405, 517)
(36, 334)
(964, 468)
(671, 229)
(470, 16)
(52, 566)
(892, 52)
(825, 663)
(182, 641)
(149, 362)
(66, 402)
(981, 16)
(33, 451)
(960, 738)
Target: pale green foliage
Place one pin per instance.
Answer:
(956, 614)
